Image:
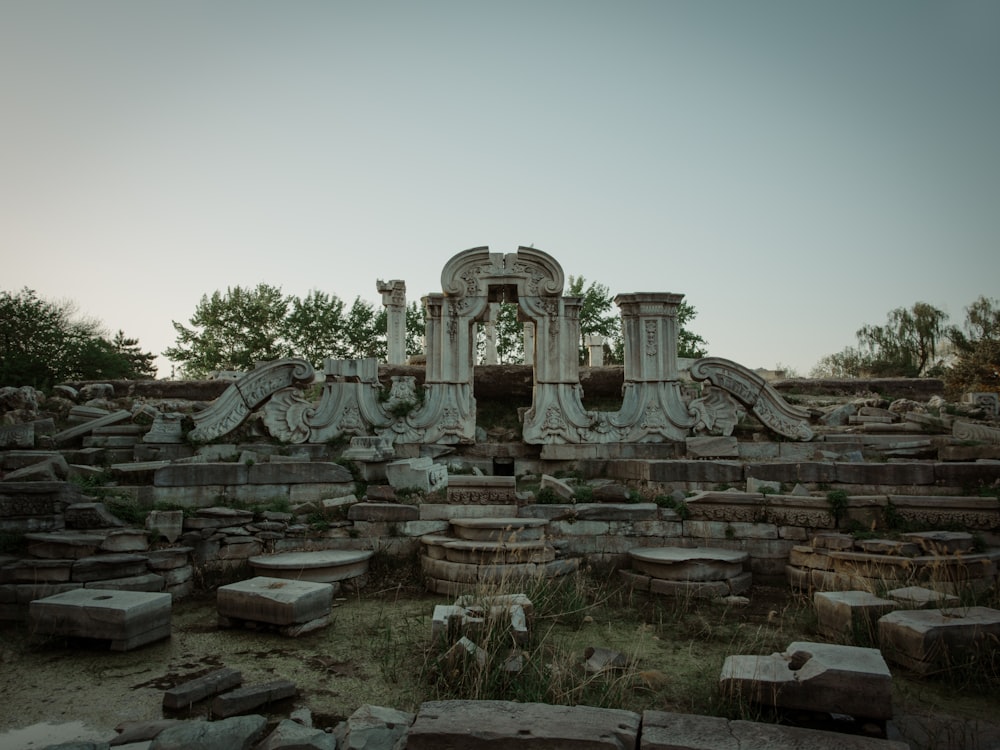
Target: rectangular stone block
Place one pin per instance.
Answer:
(275, 601)
(444, 512)
(616, 511)
(244, 700)
(506, 725)
(188, 475)
(300, 472)
(901, 474)
(126, 618)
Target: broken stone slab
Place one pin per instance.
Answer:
(52, 469)
(506, 725)
(372, 728)
(420, 474)
(246, 699)
(237, 732)
(931, 640)
(103, 420)
(90, 515)
(562, 490)
(850, 614)
(942, 542)
(166, 523)
(290, 735)
(600, 659)
(918, 597)
(670, 731)
(188, 693)
(59, 545)
(814, 677)
(127, 619)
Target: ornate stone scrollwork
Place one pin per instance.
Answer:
(248, 392)
(755, 393)
(978, 432)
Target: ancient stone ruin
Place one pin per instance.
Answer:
(273, 492)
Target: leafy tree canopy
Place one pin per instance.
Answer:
(43, 343)
(977, 349)
(243, 326)
(598, 315)
(905, 346)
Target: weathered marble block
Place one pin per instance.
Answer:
(814, 677)
(417, 474)
(127, 619)
(928, 640)
(276, 601)
(850, 614)
(459, 725)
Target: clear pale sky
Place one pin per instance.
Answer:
(795, 168)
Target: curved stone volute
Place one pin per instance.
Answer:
(248, 392)
(756, 394)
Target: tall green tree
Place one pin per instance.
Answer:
(233, 331)
(43, 343)
(977, 349)
(689, 344)
(905, 346)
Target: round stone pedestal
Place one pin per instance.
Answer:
(323, 566)
(681, 571)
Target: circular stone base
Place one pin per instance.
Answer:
(499, 529)
(688, 564)
(324, 566)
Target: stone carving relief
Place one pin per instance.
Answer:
(654, 408)
(755, 393)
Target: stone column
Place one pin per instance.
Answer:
(490, 356)
(529, 343)
(595, 349)
(394, 299)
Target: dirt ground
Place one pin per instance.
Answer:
(372, 653)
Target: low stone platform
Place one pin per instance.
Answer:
(943, 561)
(128, 619)
(821, 677)
(291, 607)
(488, 552)
(324, 566)
(688, 571)
(931, 640)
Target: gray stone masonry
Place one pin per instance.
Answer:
(188, 693)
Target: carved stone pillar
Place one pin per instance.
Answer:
(394, 299)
